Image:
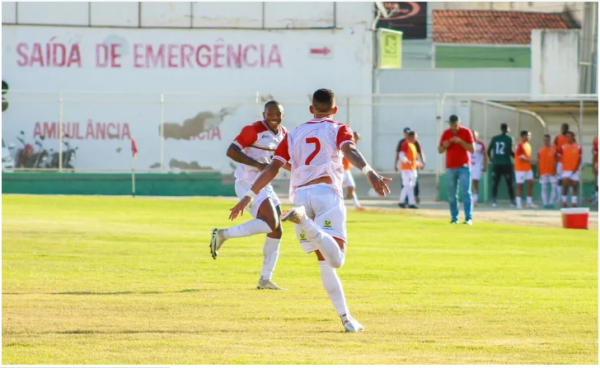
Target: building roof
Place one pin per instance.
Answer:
(494, 26)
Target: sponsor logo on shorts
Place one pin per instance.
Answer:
(250, 206)
(327, 223)
(302, 236)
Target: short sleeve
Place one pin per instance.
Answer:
(469, 136)
(344, 135)
(246, 137)
(404, 147)
(559, 150)
(580, 150)
(482, 146)
(443, 137)
(282, 153)
(519, 150)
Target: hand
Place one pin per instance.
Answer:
(420, 165)
(446, 144)
(484, 169)
(239, 208)
(396, 167)
(456, 140)
(379, 183)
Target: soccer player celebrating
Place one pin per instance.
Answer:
(408, 163)
(253, 148)
(501, 146)
(315, 150)
(546, 171)
(570, 156)
(523, 171)
(478, 165)
(559, 141)
(349, 180)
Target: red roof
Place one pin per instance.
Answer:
(494, 26)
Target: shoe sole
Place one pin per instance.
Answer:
(213, 243)
(264, 288)
(286, 216)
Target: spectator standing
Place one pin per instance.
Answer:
(409, 164)
(478, 165)
(570, 155)
(458, 142)
(523, 172)
(546, 171)
(420, 154)
(501, 147)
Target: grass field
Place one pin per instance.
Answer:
(131, 281)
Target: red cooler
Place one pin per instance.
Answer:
(575, 218)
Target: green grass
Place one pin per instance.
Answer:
(130, 281)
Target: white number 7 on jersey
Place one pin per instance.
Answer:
(317, 143)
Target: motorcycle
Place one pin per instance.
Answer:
(27, 157)
(68, 156)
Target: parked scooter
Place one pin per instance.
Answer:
(27, 157)
(68, 156)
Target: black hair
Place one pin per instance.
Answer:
(568, 131)
(504, 127)
(524, 132)
(454, 119)
(547, 136)
(565, 125)
(411, 133)
(272, 103)
(323, 100)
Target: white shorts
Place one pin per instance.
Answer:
(476, 172)
(409, 178)
(573, 175)
(559, 171)
(523, 176)
(348, 179)
(545, 179)
(325, 207)
(241, 188)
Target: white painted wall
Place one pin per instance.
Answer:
(105, 14)
(554, 61)
(211, 78)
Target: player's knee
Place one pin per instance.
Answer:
(277, 233)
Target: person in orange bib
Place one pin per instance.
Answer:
(408, 165)
(570, 156)
(546, 171)
(595, 153)
(349, 179)
(559, 141)
(523, 171)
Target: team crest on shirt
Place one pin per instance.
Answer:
(327, 223)
(302, 236)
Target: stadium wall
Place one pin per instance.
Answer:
(196, 87)
(199, 184)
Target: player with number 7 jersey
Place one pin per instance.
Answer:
(315, 150)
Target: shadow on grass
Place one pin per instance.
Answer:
(111, 292)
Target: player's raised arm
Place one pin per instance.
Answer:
(353, 155)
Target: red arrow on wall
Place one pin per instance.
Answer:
(324, 51)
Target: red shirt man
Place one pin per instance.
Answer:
(457, 154)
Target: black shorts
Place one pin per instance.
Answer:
(499, 171)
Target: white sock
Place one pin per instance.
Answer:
(574, 199)
(355, 200)
(554, 192)
(544, 194)
(411, 195)
(518, 201)
(327, 245)
(475, 197)
(559, 192)
(596, 195)
(334, 289)
(270, 255)
(564, 199)
(529, 200)
(248, 228)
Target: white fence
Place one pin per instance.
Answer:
(191, 132)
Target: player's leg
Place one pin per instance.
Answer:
(248, 228)
(452, 189)
(574, 188)
(269, 212)
(475, 184)
(554, 195)
(566, 183)
(529, 178)
(416, 191)
(412, 181)
(508, 176)
(544, 179)
(352, 189)
(496, 175)
(559, 186)
(326, 204)
(465, 188)
(405, 188)
(519, 178)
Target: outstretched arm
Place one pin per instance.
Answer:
(265, 177)
(353, 155)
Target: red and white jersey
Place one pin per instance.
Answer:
(313, 150)
(258, 142)
(477, 156)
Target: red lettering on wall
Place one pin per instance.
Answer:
(114, 56)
